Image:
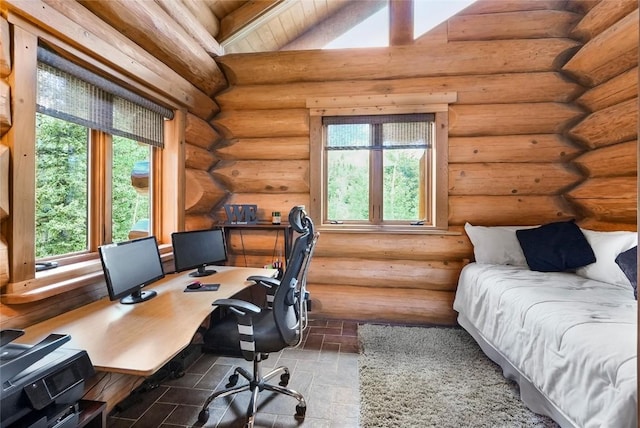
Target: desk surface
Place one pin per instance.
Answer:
(139, 339)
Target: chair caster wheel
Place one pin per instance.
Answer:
(300, 411)
(284, 379)
(203, 416)
(233, 380)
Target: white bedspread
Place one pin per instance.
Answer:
(574, 338)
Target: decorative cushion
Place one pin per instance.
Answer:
(607, 246)
(555, 247)
(496, 244)
(628, 262)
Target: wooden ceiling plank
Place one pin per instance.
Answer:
(191, 25)
(341, 20)
(239, 19)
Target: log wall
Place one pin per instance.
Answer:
(510, 151)
(607, 65)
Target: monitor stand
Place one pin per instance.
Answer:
(202, 271)
(138, 296)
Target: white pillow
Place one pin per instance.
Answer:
(606, 246)
(496, 244)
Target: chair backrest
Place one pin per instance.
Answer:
(288, 297)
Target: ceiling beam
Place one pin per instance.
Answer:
(400, 22)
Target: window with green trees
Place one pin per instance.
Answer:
(95, 142)
(378, 168)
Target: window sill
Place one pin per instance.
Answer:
(404, 230)
(62, 279)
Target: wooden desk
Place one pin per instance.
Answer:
(139, 339)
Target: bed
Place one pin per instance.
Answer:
(567, 339)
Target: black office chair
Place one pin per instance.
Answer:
(252, 332)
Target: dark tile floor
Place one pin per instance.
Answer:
(324, 369)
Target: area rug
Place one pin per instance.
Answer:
(434, 377)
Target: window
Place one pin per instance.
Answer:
(380, 171)
(94, 154)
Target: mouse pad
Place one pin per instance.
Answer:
(203, 287)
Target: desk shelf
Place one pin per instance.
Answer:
(284, 227)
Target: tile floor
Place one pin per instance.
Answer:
(324, 369)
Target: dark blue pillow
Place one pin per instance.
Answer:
(628, 262)
(555, 247)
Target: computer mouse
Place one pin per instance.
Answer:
(194, 285)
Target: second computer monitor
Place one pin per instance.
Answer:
(197, 249)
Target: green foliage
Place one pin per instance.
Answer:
(62, 162)
(61, 187)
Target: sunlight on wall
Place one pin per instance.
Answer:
(374, 31)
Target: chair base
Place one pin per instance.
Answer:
(256, 384)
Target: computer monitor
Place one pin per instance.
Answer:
(198, 248)
(128, 266)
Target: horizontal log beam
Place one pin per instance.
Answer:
(621, 88)
(200, 133)
(607, 188)
(431, 275)
(198, 158)
(610, 161)
(396, 246)
(263, 123)
(202, 194)
(609, 210)
(147, 25)
(610, 53)
(511, 119)
(503, 6)
(398, 305)
(529, 24)
(282, 148)
(602, 16)
(476, 89)
(508, 210)
(511, 148)
(595, 224)
(455, 58)
(264, 176)
(510, 179)
(612, 125)
(198, 222)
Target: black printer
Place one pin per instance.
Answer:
(41, 383)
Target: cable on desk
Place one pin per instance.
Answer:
(244, 253)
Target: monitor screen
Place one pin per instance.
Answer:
(197, 249)
(128, 266)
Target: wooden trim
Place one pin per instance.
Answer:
(248, 17)
(21, 141)
(316, 170)
(387, 100)
(169, 180)
(365, 111)
(441, 171)
(100, 179)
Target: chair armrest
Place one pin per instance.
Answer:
(265, 281)
(241, 307)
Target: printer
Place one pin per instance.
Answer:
(41, 383)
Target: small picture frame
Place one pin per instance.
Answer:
(241, 213)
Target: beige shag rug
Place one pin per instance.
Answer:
(434, 377)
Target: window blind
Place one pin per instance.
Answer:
(72, 93)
